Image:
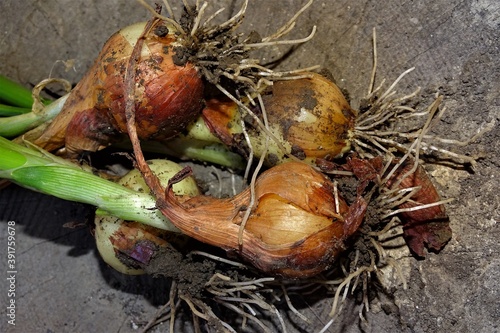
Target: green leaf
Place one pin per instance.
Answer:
(11, 159)
(15, 94)
(9, 111)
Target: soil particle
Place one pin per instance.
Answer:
(161, 31)
(181, 56)
(298, 152)
(191, 276)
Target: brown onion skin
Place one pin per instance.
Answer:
(168, 97)
(219, 115)
(217, 221)
(426, 195)
(325, 138)
(422, 228)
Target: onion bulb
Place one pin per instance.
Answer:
(168, 93)
(296, 229)
(310, 117)
(127, 245)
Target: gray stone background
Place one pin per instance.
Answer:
(63, 286)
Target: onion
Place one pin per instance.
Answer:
(127, 246)
(296, 229)
(168, 93)
(310, 117)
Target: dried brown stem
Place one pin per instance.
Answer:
(151, 180)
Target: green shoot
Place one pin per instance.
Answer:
(41, 171)
(198, 143)
(9, 110)
(14, 94)
(206, 151)
(19, 115)
(17, 125)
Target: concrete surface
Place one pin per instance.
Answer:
(63, 286)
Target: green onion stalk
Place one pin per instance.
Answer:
(9, 110)
(43, 172)
(198, 143)
(21, 123)
(14, 94)
(18, 115)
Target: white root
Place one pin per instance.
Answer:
(289, 25)
(251, 204)
(374, 134)
(172, 20)
(291, 307)
(220, 259)
(173, 293)
(374, 66)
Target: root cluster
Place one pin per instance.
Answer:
(223, 57)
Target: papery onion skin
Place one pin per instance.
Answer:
(427, 227)
(301, 253)
(222, 117)
(422, 227)
(426, 195)
(169, 94)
